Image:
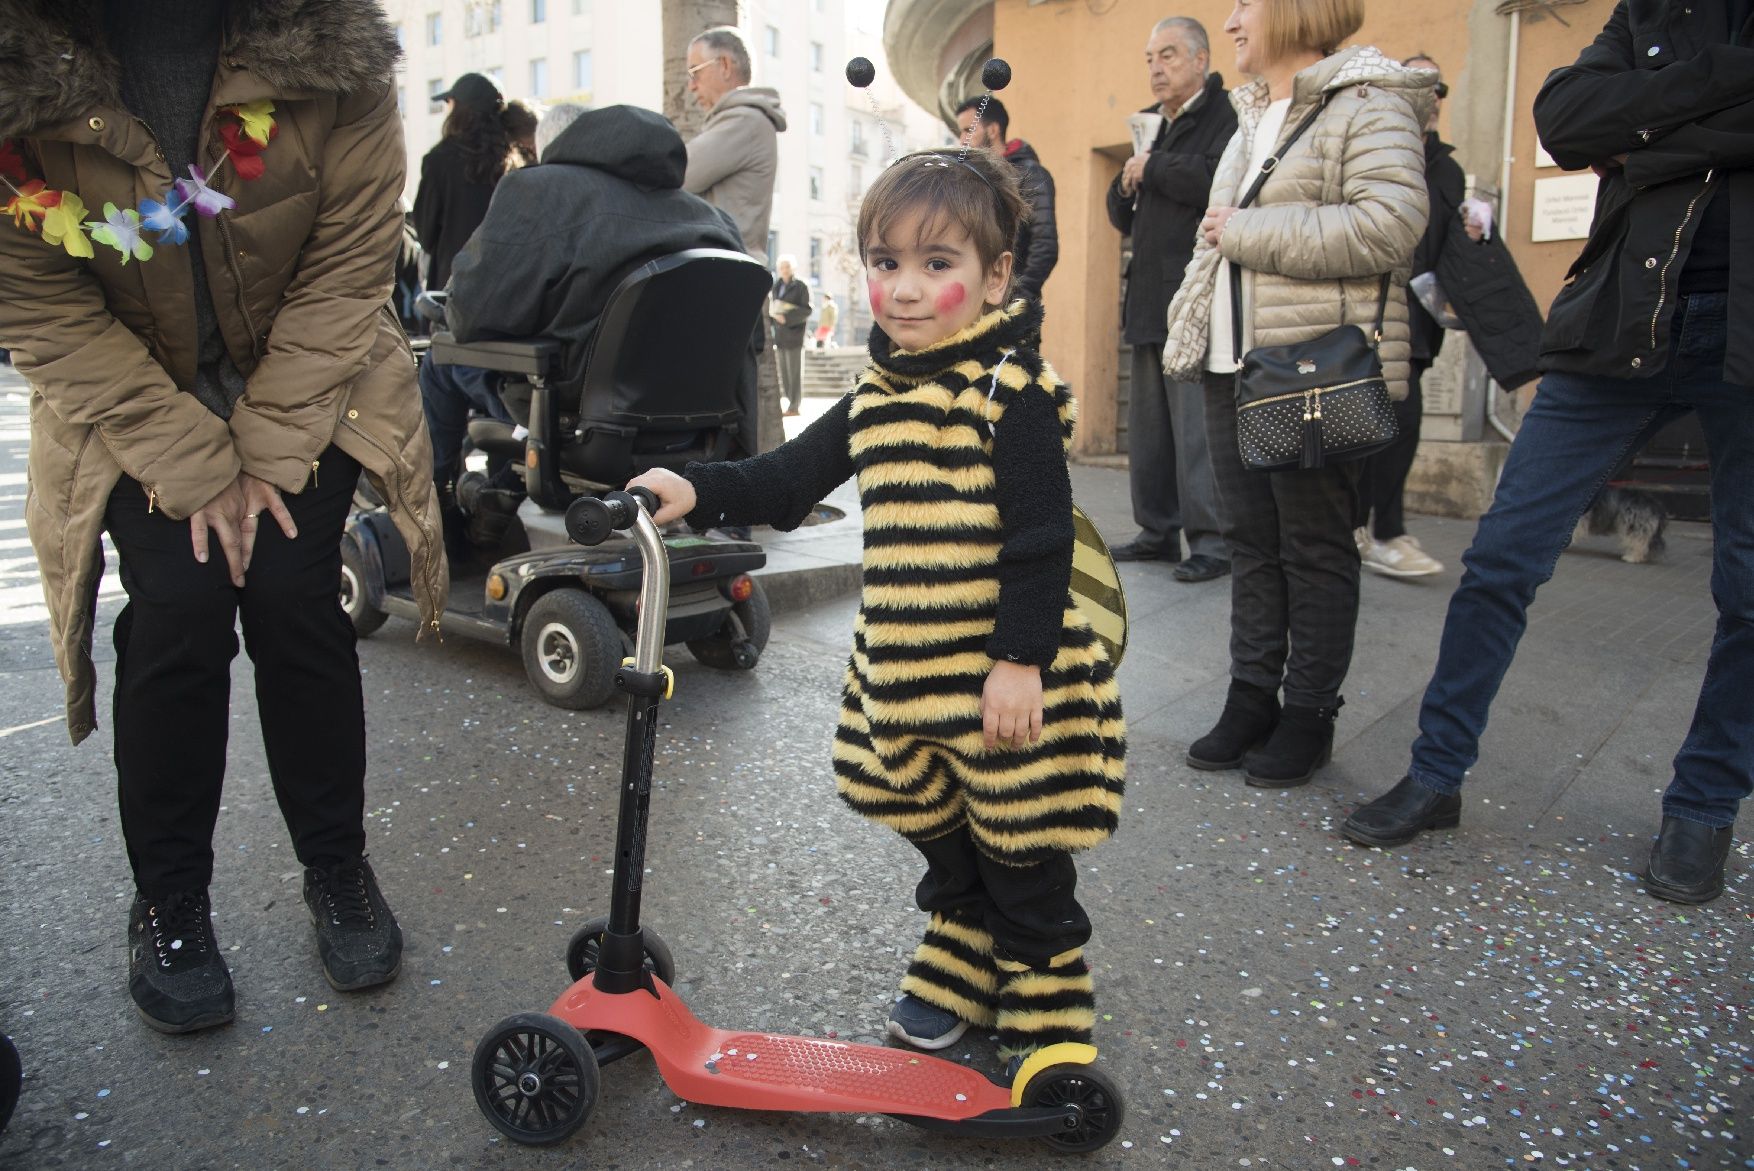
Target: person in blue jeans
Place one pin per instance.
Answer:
(1656, 319)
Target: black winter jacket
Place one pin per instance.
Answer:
(558, 238)
(1663, 85)
(448, 207)
(1172, 199)
(1038, 239)
(795, 295)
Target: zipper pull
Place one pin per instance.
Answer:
(1317, 396)
(1306, 415)
(314, 464)
(151, 500)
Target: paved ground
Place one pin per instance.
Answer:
(1271, 996)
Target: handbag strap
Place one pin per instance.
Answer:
(1267, 167)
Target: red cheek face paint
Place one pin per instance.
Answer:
(950, 298)
(874, 292)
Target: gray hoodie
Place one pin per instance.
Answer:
(733, 160)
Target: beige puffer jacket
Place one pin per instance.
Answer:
(301, 273)
(1347, 204)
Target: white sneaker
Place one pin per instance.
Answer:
(1362, 538)
(1401, 557)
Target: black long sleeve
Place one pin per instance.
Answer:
(1034, 489)
(782, 486)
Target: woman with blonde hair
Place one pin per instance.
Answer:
(1341, 204)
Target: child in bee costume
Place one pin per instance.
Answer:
(980, 716)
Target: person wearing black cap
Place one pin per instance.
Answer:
(457, 177)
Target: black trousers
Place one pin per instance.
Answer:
(1383, 477)
(175, 640)
(1294, 564)
(1031, 912)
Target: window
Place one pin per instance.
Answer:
(857, 177)
(816, 56)
(497, 75)
(816, 117)
(539, 77)
(401, 37)
(434, 28)
(816, 259)
(581, 70)
(773, 41)
(857, 137)
(578, 7)
(402, 100)
(538, 11)
(773, 245)
(434, 88)
(816, 183)
(493, 16)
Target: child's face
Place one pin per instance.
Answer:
(924, 288)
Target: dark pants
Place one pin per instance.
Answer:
(1168, 466)
(791, 360)
(175, 640)
(1031, 912)
(1294, 564)
(448, 393)
(1382, 478)
(1578, 430)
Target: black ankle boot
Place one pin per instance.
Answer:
(1248, 718)
(1302, 741)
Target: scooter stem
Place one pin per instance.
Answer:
(621, 961)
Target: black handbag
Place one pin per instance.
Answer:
(1309, 403)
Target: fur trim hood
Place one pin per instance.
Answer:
(54, 65)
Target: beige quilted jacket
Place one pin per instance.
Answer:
(1346, 204)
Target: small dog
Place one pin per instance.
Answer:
(1635, 517)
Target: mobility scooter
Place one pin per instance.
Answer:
(536, 1075)
(646, 402)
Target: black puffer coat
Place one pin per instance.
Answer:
(1038, 239)
(1663, 85)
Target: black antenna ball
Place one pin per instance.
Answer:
(862, 73)
(996, 74)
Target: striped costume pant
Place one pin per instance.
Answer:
(1004, 945)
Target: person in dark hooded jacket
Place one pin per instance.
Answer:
(1037, 249)
(558, 237)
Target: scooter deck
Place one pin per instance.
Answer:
(767, 1071)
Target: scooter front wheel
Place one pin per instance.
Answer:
(535, 1078)
(1097, 1098)
(587, 945)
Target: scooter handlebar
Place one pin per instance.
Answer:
(590, 519)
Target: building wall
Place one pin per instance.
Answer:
(1078, 71)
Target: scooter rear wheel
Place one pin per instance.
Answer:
(535, 1078)
(738, 645)
(355, 601)
(1097, 1098)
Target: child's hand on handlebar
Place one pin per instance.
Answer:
(675, 494)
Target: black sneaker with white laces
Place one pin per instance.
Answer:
(358, 938)
(175, 975)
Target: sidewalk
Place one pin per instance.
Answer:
(1270, 996)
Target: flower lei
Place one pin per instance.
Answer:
(59, 216)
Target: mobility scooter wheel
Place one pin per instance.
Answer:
(587, 945)
(572, 648)
(734, 650)
(1100, 1108)
(535, 1078)
(366, 618)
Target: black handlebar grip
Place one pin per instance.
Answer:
(589, 520)
(647, 498)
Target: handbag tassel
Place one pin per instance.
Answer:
(1312, 431)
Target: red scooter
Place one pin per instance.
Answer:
(536, 1074)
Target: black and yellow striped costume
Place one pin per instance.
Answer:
(966, 500)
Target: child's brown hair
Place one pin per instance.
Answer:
(977, 191)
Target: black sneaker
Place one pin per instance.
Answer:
(178, 982)
(357, 936)
(924, 1026)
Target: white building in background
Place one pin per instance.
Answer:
(607, 52)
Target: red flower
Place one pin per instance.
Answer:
(246, 154)
(31, 204)
(11, 162)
